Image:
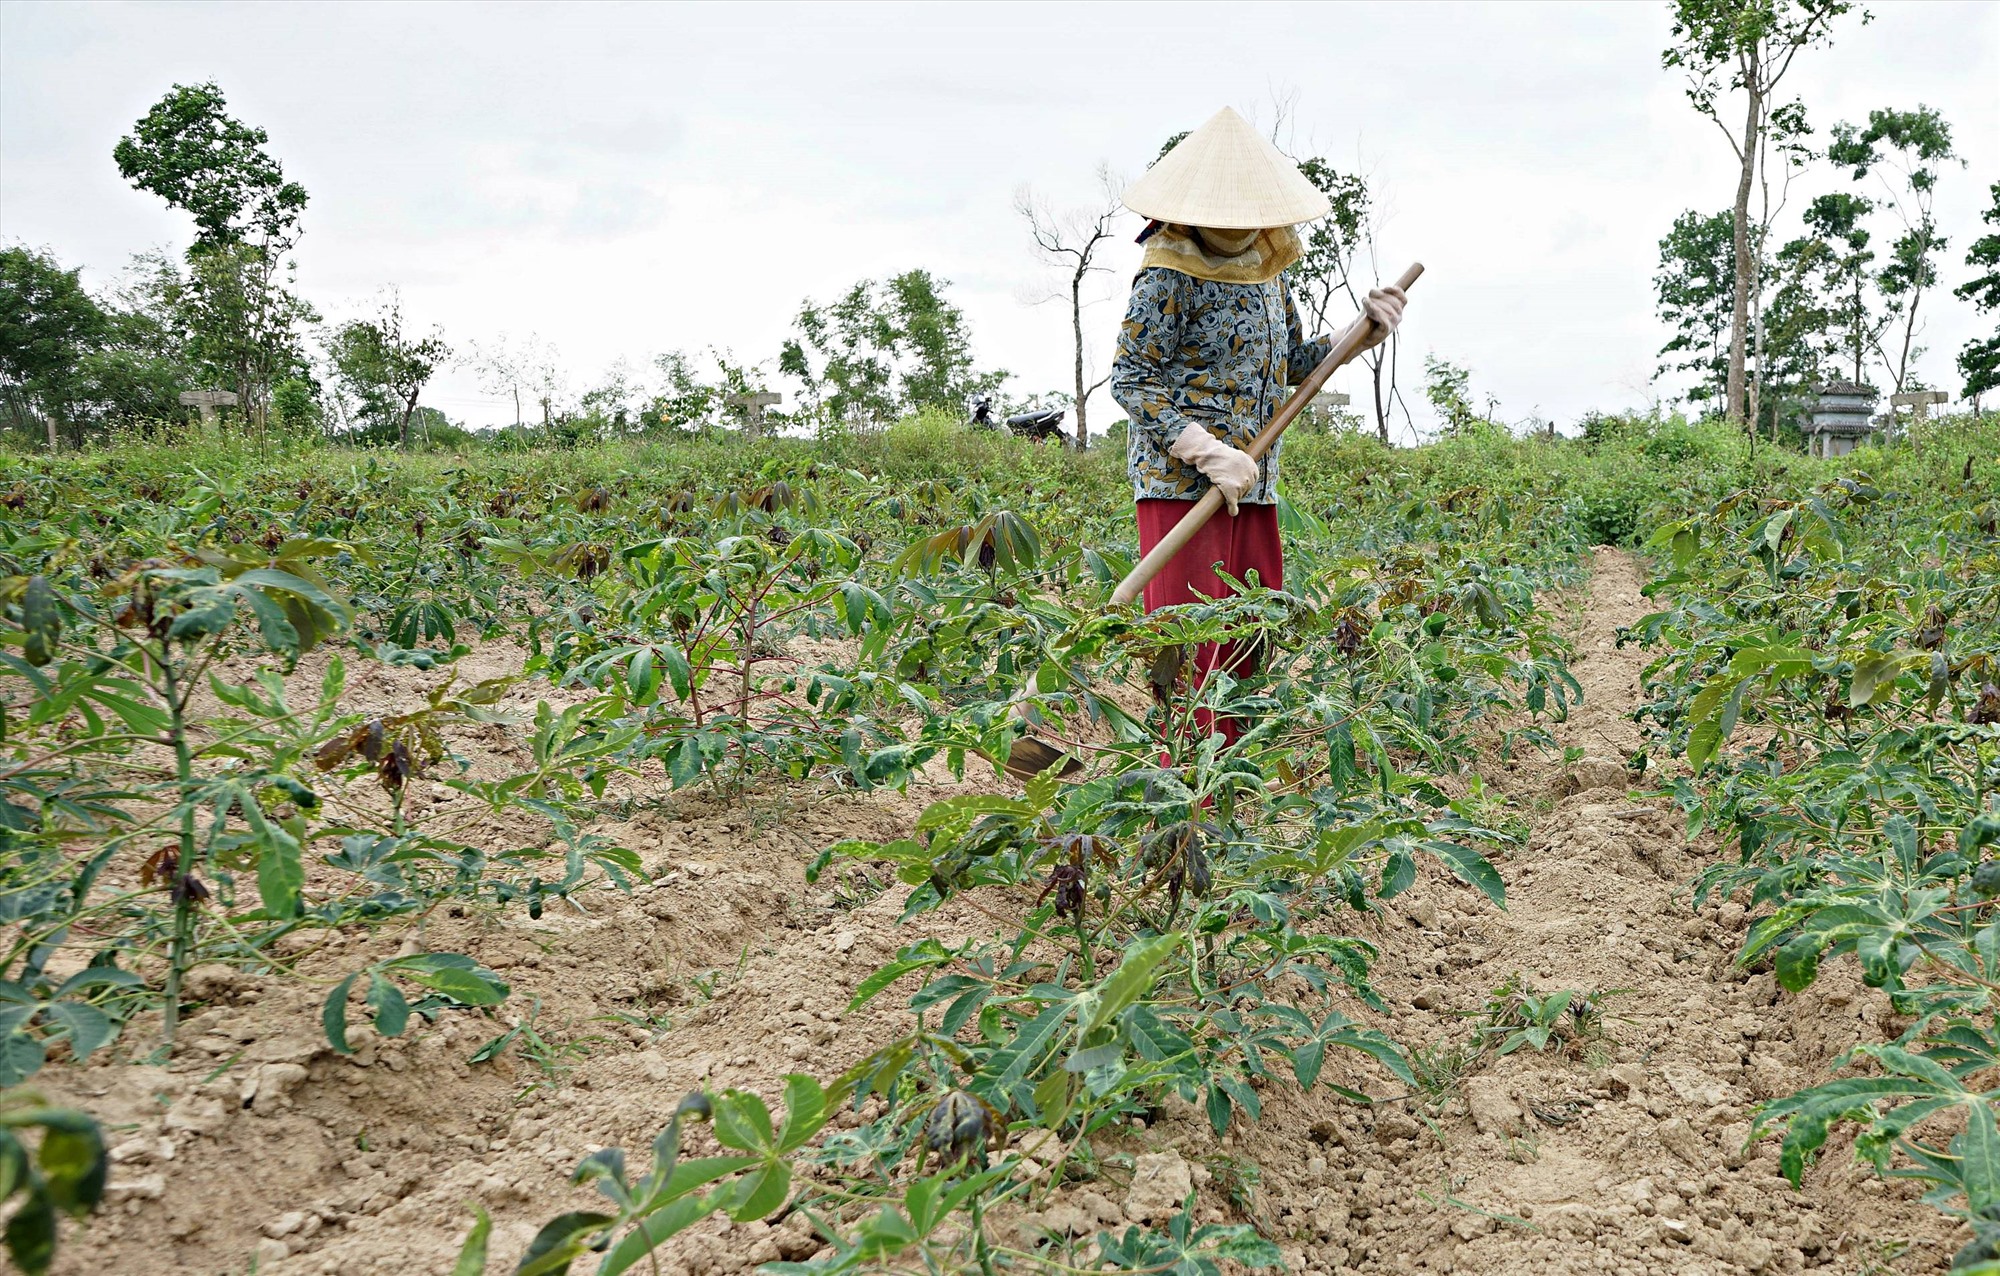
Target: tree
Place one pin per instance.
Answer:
(684, 402)
(1786, 132)
(1071, 241)
(192, 154)
(1449, 389)
(1747, 47)
(385, 368)
(1326, 270)
(1915, 145)
(1792, 352)
(1979, 361)
(189, 152)
(843, 355)
(245, 326)
(499, 373)
(542, 365)
(1695, 287)
(530, 367)
(1834, 255)
(48, 327)
(611, 408)
(883, 349)
(932, 333)
(138, 374)
(295, 405)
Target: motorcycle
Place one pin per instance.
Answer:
(1040, 424)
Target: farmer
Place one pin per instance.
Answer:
(1209, 341)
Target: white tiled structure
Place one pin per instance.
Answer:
(1841, 419)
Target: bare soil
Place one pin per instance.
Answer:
(260, 1149)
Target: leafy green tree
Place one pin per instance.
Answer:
(246, 326)
(1914, 145)
(1792, 346)
(687, 402)
(844, 354)
(1788, 134)
(1449, 389)
(49, 325)
(295, 406)
(245, 319)
(385, 367)
(1747, 47)
(146, 363)
(684, 402)
(1325, 274)
(938, 372)
(1979, 361)
(884, 349)
(1834, 257)
(189, 152)
(611, 409)
(1696, 287)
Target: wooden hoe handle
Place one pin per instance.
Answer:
(1346, 347)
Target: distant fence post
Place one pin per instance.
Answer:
(1919, 403)
(208, 401)
(753, 406)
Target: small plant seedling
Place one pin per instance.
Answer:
(1497, 1216)
(1524, 1150)
(1515, 1015)
(1439, 1067)
(554, 1060)
(1237, 1180)
(655, 1026)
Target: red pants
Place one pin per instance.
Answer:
(1242, 543)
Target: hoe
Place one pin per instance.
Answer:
(1030, 757)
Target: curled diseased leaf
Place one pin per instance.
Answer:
(1986, 710)
(962, 1129)
(1066, 882)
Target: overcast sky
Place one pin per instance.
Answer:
(624, 180)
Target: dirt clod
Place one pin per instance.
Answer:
(1160, 1183)
(1490, 1101)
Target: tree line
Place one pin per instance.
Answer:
(1824, 268)
(227, 314)
(1759, 319)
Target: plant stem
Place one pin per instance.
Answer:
(982, 1251)
(181, 953)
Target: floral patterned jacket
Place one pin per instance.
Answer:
(1220, 354)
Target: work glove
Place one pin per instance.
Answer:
(1229, 468)
(1384, 307)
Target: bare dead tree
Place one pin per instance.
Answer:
(1070, 241)
(1382, 360)
(1332, 243)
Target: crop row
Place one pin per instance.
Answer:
(176, 793)
(1830, 665)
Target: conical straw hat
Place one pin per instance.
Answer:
(1227, 176)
